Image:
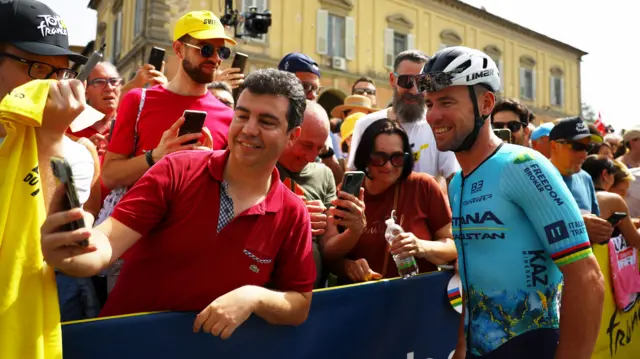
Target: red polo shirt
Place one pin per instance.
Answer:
(181, 263)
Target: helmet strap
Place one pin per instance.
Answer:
(478, 122)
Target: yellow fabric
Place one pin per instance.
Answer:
(619, 336)
(29, 312)
(349, 123)
(202, 25)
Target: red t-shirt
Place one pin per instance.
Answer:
(161, 109)
(181, 263)
(421, 210)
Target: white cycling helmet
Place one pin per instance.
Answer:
(460, 66)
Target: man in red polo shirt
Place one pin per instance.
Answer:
(178, 260)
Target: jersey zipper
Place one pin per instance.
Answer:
(464, 261)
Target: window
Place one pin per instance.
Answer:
(556, 87)
(394, 43)
(495, 54)
(261, 6)
(449, 38)
(336, 36)
(527, 78)
(138, 23)
(399, 43)
(117, 37)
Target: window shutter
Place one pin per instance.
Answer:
(552, 91)
(533, 84)
(523, 85)
(389, 55)
(322, 21)
(411, 42)
(502, 75)
(562, 103)
(350, 38)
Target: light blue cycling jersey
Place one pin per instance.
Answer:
(514, 223)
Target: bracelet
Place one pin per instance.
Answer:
(149, 157)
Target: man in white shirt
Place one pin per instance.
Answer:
(409, 109)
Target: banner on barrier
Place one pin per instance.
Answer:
(619, 336)
(391, 319)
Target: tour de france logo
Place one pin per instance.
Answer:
(51, 25)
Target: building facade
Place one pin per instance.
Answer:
(354, 38)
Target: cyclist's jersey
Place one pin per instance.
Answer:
(514, 223)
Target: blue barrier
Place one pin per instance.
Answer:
(403, 319)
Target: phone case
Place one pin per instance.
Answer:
(351, 183)
(64, 175)
(193, 122)
(156, 57)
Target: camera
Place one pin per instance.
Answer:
(252, 23)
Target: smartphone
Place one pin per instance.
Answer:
(193, 122)
(156, 56)
(351, 183)
(504, 134)
(64, 175)
(240, 62)
(616, 217)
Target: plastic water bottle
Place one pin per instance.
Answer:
(407, 267)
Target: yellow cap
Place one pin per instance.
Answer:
(201, 25)
(349, 123)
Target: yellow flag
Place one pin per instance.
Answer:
(29, 311)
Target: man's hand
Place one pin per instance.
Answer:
(228, 312)
(318, 218)
(100, 142)
(352, 216)
(147, 75)
(59, 248)
(232, 76)
(599, 230)
(65, 102)
(359, 270)
(407, 244)
(170, 142)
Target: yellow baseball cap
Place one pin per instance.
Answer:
(201, 25)
(349, 124)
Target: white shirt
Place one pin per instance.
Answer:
(81, 162)
(423, 145)
(633, 194)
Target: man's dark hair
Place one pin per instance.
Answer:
(412, 55)
(282, 83)
(219, 85)
(514, 106)
(362, 79)
(367, 146)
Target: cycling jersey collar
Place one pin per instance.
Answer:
(483, 161)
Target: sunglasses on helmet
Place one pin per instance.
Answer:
(207, 50)
(434, 82)
(397, 159)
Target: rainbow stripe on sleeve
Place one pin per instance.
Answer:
(572, 254)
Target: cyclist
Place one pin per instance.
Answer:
(517, 229)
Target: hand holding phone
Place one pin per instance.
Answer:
(193, 122)
(616, 217)
(64, 176)
(239, 62)
(351, 183)
(504, 134)
(156, 56)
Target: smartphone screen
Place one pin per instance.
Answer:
(156, 57)
(615, 218)
(64, 176)
(351, 183)
(504, 134)
(193, 122)
(240, 62)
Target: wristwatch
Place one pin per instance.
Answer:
(149, 157)
(327, 154)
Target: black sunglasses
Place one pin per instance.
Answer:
(578, 146)
(207, 50)
(364, 92)
(513, 126)
(379, 159)
(41, 70)
(406, 81)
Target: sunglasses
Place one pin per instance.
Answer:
(379, 159)
(513, 126)
(307, 87)
(364, 92)
(207, 50)
(406, 81)
(578, 146)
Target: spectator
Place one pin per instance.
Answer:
(222, 91)
(540, 139)
(570, 141)
(364, 86)
(622, 179)
(613, 140)
(602, 170)
(346, 131)
(530, 127)
(629, 150)
(352, 104)
(602, 148)
(384, 154)
(410, 111)
(308, 72)
(262, 236)
(511, 114)
(310, 180)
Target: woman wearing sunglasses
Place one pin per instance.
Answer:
(384, 154)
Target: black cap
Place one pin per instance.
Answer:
(33, 27)
(570, 129)
(298, 62)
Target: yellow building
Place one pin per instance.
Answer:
(354, 38)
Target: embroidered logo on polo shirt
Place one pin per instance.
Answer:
(254, 268)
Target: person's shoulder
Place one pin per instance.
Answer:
(366, 120)
(520, 155)
(318, 169)
(292, 205)
(421, 179)
(190, 160)
(75, 152)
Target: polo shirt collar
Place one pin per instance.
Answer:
(272, 203)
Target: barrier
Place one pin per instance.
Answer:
(403, 319)
(619, 336)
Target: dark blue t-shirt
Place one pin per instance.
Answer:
(582, 189)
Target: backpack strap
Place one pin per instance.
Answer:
(143, 96)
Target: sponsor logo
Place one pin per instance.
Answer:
(479, 74)
(556, 232)
(33, 178)
(621, 336)
(52, 25)
(535, 267)
(478, 236)
(477, 187)
(577, 228)
(539, 179)
(522, 158)
(477, 199)
(477, 218)
(580, 127)
(209, 22)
